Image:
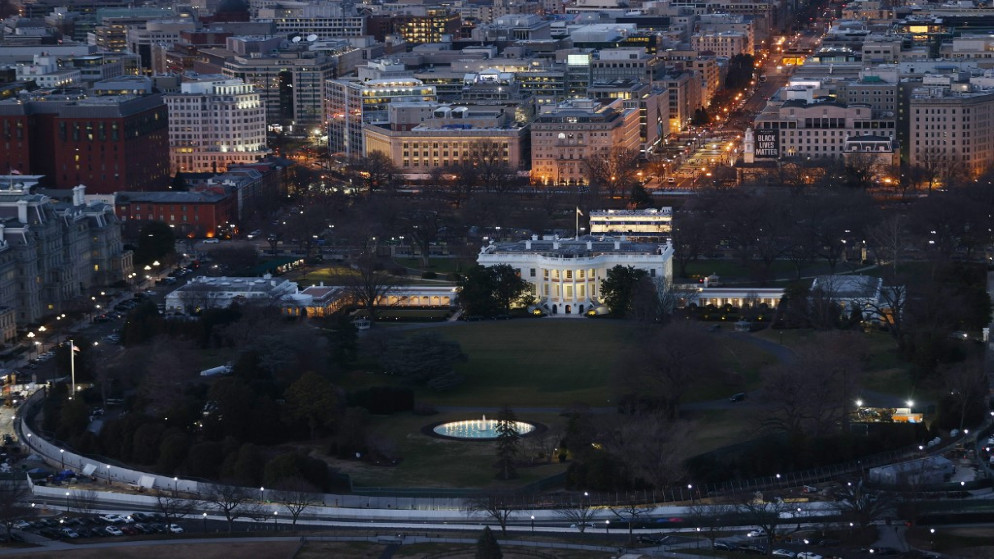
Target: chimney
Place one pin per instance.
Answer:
(78, 195)
(22, 211)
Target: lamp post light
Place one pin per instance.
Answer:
(175, 484)
(262, 494)
(276, 523)
(67, 501)
(690, 489)
(533, 523)
(698, 537)
(607, 525)
(62, 457)
(205, 522)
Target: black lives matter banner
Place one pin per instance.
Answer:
(768, 143)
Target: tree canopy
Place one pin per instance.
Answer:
(490, 291)
(618, 288)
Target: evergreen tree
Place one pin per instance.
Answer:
(508, 440)
(487, 546)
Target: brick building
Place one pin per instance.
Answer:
(196, 214)
(110, 143)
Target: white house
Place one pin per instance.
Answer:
(565, 274)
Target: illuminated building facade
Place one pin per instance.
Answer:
(565, 135)
(214, 122)
(352, 103)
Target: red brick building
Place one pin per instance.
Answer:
(190, 214)
(109, 143)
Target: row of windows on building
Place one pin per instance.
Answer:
(433, 163)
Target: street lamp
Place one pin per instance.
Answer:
(205, 522)
(533, 523)
(262, 494)
(276, 523)
(62, 457)
(607, 525)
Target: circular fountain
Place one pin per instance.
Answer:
(482, 429)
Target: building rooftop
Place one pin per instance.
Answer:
(585, 246)
(169, 197)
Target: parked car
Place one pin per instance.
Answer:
(785, 553)
(115, 531)
(175, 529)
(69, 533)
(724, 546)
(808, 555)
(113, 518)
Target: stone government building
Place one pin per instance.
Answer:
(52, 252)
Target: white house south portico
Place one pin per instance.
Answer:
(565, 274)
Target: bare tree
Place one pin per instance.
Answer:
(888, 239)
(296, 495)
(491, 160)
(614, 171)
(811, 395)
(424, 227)
(630, 515)
(375, 171)
(652, 447)
(693, 233)
(170, 366)
(580, 514)
(862, 507)
(711, 519)
(83, 501)
(675, 357)
(172, 507)
(367, 283)
(13, 492)
(768, 516)
(967, 385)
(229, 500)
(496, 506)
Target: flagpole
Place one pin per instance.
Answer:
(576, 214)
(72, 367)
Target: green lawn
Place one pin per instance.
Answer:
(556, 363)
(884, 372)
(437, 265)
(536, 362)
